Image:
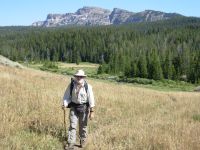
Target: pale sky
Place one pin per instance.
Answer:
(25, 12)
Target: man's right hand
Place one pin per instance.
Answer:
(64, 106)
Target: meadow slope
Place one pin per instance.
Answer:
(126, 117)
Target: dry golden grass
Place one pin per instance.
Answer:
(126, 117)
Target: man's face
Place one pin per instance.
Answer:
(79, 79)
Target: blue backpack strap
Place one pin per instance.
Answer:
(86, 87)
(71, 86)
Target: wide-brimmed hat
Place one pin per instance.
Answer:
(80, 73)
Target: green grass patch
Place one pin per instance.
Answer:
(161, 85)
(173, 85)
(49, 66)
(196, 117)
(64, 68)
(91, 71)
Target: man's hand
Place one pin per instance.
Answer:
(64, 106)
(91, 116)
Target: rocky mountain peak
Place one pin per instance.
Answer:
(91, 10)
(100, 16)
(119, 16)
(54, 16)
(119, 10)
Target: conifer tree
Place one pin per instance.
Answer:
(142, 66)
(155, 66)
(167, 67)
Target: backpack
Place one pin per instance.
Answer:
(71, 89)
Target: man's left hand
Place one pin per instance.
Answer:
(91, 116)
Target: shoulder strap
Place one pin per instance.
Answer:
(71, 86)
(86, 86)
(86, 89)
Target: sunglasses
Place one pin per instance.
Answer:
(79, 77)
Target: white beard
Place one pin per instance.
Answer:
(81, 81)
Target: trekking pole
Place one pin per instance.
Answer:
(65, 133)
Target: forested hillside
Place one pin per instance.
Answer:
(166, 49)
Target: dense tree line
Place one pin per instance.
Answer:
(166, 49)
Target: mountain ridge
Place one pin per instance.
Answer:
(90, 16)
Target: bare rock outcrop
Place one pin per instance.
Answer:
(90, 16)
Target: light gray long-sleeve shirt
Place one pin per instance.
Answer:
(80, 97)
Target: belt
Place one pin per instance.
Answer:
(72, 104)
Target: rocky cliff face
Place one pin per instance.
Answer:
(100, 16)
(119, 16)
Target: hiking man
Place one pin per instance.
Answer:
(80, 99)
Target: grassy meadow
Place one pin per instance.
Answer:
(91, 69)
(126, 117)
